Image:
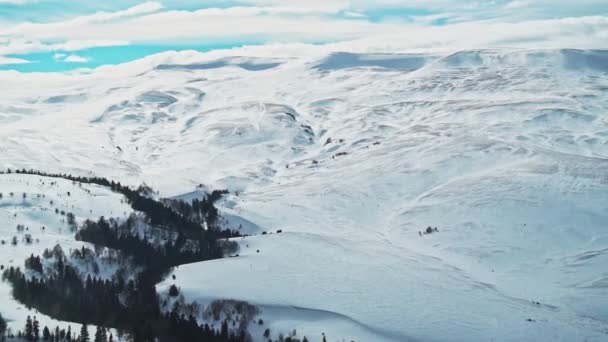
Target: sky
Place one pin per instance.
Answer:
(64, 35)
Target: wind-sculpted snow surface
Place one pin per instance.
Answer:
(351, 155)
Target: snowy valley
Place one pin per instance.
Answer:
(335, 165)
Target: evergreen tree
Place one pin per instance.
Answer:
(46, 334)
(29, 329)
(2, 327)
(173, 291)
(36, 329)
(84, 334)
(100, 335)
(224, 331)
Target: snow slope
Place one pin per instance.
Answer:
(36, 212)
(351, 155)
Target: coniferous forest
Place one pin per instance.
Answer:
(129, 305)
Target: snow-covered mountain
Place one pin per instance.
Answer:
(351, 156)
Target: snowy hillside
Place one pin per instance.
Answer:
(351, 156)
(39, 205)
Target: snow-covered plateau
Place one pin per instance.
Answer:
(351, 155)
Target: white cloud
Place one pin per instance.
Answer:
(21, 46)
(267, 23)
(76, 59)
(38, 29)
(210, 25)
(72, 58)
(353, 14)
(16, 2)
(586, 32)
(517, 4)
(538, 34)
(9, 60)
(275, 21)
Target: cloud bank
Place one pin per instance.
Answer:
(388, 25)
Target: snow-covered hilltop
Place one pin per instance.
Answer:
(352, 155)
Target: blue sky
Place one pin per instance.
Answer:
(62, 35)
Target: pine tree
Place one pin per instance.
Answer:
(36, 329)
(2, 327)
(29, 329)
(100, 335)
(46, 334)
(173, 291)
(84, 334)
(224, 331)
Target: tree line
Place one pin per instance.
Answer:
(131, 306)
(173, 252)
(178, 216)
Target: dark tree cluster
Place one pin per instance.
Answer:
(198, 211)
(66, 297)
(31, 332)
(34, 263)
(180, 328)
(2, 328)
(217, 194)
(131, 306)
(119, 236)
(157, 212)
